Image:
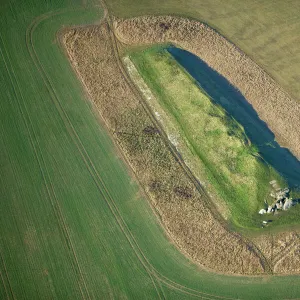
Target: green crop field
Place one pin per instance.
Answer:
(268, 30)
(73, 224)
(228, 162)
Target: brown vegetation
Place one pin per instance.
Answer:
(281, 250)
(181, 207)
(273, 105)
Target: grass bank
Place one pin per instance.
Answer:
(230, 165)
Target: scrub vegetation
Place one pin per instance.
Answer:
(230, 164)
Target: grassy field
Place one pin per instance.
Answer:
(266, 30)
(72, 224)
(59, 171)
(229, 164)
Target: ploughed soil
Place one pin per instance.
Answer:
(182, 209)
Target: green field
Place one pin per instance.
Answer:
(73, 225)
(229, 162)
(268, 31)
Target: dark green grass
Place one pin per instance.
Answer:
(56, 222)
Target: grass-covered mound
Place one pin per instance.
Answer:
(230, 165)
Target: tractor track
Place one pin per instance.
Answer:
(39, 157)
(31, 133)
(285, 252)
(9, 290)
(155, 275)
(69, 126)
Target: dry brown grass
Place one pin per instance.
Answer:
(289, 263)
(188, 221)
(282, 249)
(273, 105)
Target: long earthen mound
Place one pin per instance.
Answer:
(188, 220)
